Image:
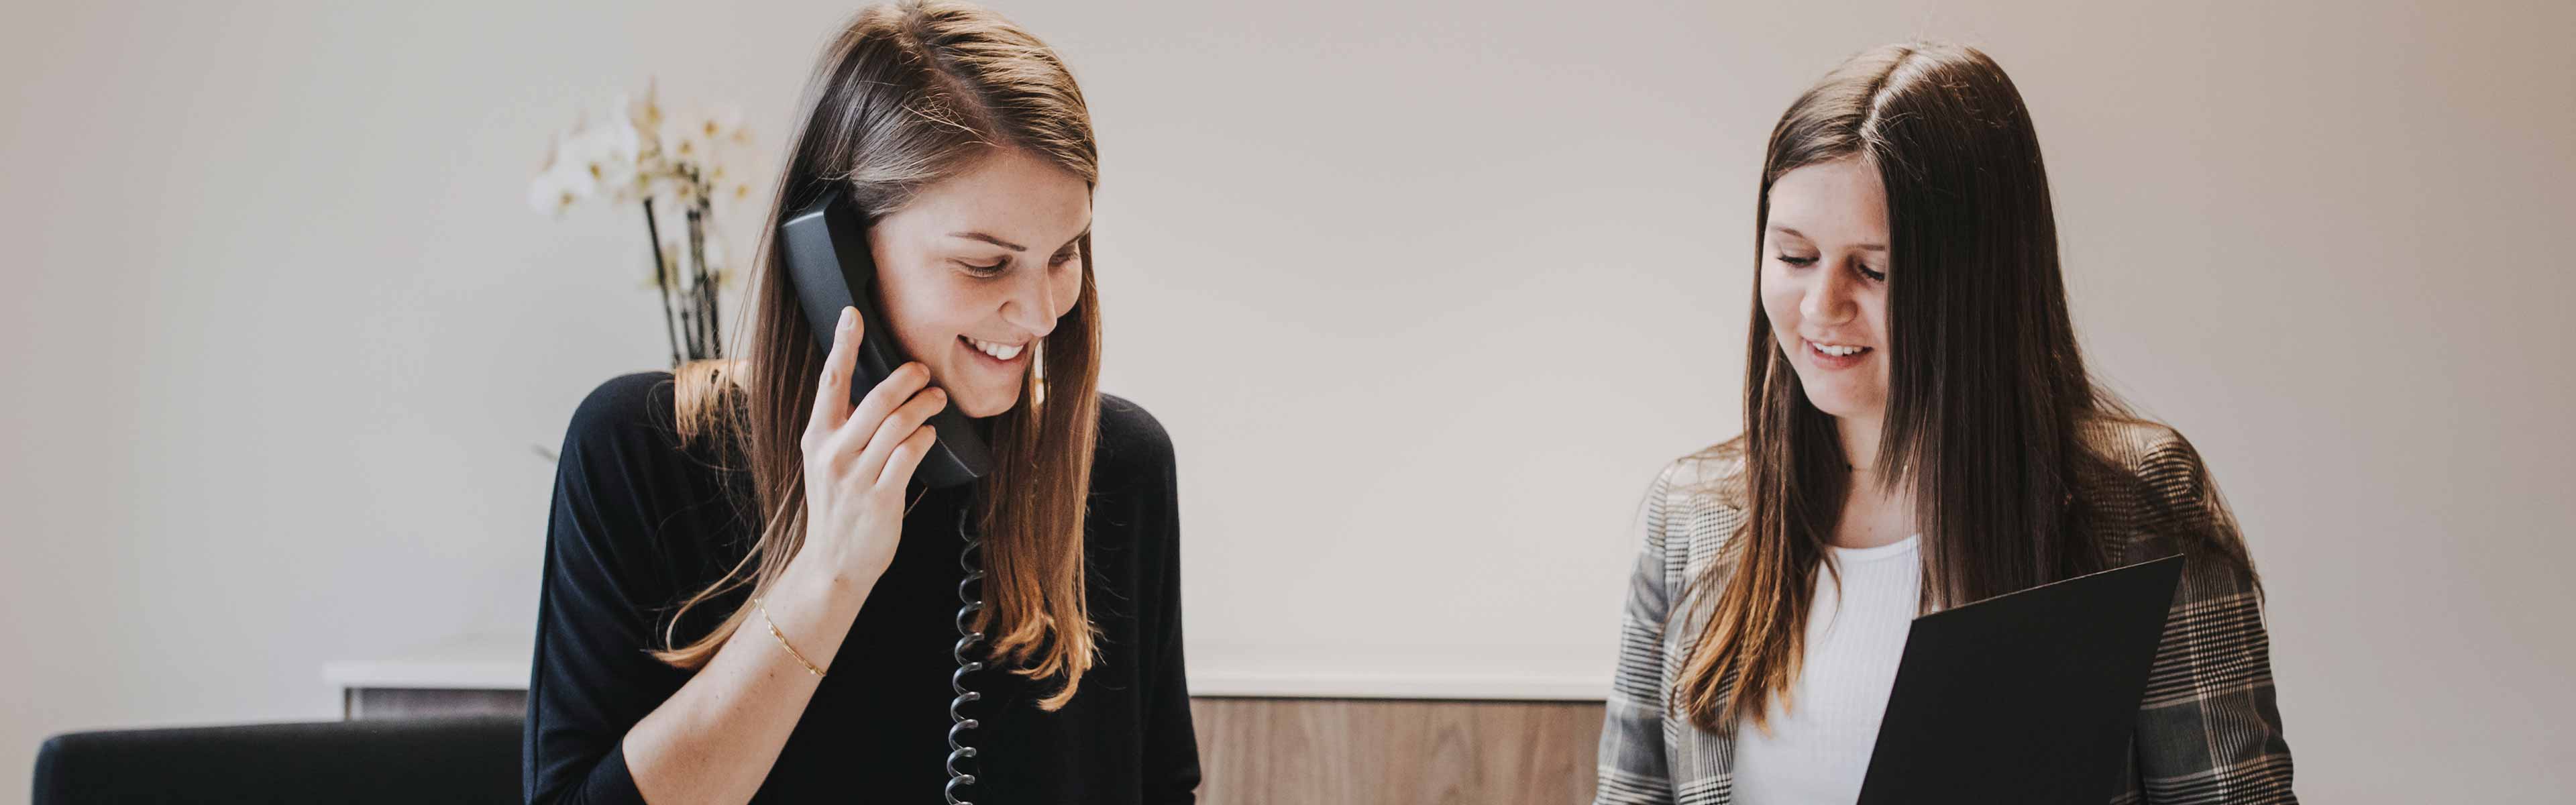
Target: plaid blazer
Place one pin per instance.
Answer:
(2208, 730)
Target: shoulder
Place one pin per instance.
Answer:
(605, 479)
(1711, 477)
(625, 434)
(2153, 464)
(623, 405)
(1695, 506)
(1131, 442)
(2160, 494)
(625, 419)
(2140, 446)
(1134, 503)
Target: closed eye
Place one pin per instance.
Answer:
(985, 270)
(1801, 262)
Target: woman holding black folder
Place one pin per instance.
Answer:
(1920, 433)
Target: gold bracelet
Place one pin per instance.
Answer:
(782, 639)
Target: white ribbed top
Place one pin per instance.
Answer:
(1818, 747)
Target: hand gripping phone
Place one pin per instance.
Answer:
(826, 248)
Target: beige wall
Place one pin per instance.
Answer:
(1424, 293)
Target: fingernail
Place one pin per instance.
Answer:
(846, 313)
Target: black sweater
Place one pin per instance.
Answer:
(639, 523)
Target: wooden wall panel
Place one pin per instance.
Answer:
(1334, 751)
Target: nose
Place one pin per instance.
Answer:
(1828, 300)
(1032, 304)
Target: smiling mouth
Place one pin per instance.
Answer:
(994, 349)
(1834, 356)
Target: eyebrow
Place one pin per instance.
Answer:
(1007, 244)
(1867, 247)
(989, 239)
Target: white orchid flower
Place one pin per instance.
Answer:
(560, 184)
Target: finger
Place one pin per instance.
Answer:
(897, 427)
(905, 383)
(832, 394)
(907, 457)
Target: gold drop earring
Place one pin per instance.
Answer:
(1037, 375)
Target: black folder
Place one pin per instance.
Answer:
(2024, 697)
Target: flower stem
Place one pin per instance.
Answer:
(662, 278)
(706, 290)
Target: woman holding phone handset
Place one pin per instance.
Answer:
(748, 596)
(1920, 432)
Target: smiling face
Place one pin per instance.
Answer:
(1824, 283)
(978, 267)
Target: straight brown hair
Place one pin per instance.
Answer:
(907, 95)
(1989, 399)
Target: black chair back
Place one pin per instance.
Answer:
(467, 759)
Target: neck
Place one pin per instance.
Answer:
(1873, 515)
(1860, 440)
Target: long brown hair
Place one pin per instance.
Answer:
(907, 95)
(1989, 401)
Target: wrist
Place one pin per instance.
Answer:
(815, 576)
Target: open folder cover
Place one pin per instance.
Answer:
(2024, 697)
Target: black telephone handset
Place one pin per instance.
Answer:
(826, 248)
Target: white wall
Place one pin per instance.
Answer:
(1425, 295)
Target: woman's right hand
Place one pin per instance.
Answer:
(857, 460)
